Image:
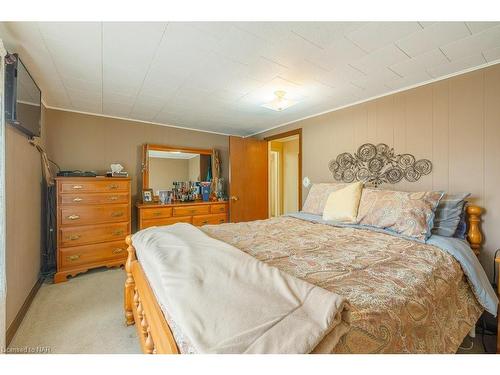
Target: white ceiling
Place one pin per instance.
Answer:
(214, 76)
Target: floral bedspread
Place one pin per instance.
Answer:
(406, 296)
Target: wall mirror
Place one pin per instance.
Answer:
(166, 169)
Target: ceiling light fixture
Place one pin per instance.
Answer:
(279, 103)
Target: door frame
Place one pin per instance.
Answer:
(3, 269)
(288, 134)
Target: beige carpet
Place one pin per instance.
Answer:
(85, 315)
(82, 315)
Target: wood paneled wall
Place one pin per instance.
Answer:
(455, 123)
(88, 142)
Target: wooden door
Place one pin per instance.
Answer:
(248, 174)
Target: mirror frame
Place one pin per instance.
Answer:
(155, 147)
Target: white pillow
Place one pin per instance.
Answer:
(342, 205)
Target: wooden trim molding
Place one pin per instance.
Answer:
(497, 264)
(14, 326)
(3, 247)
(289, 134)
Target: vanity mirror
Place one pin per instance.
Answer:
(175, 169)
(186, 186)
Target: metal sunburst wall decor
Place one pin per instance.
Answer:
(377, 164)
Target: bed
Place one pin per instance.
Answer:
(406, 297)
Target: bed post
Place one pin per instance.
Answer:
(474, 234)
(129, 283)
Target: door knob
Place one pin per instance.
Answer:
(234, 198)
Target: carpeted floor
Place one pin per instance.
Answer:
(85, 315)
(82, 315)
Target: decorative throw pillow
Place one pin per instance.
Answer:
(405, 213)
(448, 214)
(342, 205)
(318, 194)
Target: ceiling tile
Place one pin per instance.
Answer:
(473, 44)
(492, 54)
(378, 78)
(433, 37)
(426, 24)
(74, 47)
(274, 32)
(457, 65)
(409, 80)
(91, 105)
(477, 27)
(420, 63)
(341, 76)
(323, 34)
(340, 51)
(82, 84)
(379, 59)
(374, 35)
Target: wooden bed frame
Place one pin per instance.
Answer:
(153, 330)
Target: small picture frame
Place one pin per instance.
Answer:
(147, 196)
(164, 196)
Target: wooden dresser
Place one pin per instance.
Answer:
(93, 219)
(196, 213)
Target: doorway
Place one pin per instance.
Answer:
(285, 173)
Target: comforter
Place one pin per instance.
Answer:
(405, 296)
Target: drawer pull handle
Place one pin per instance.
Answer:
(157, 213)
(204, 222)
(192, 210)
(73, 217)
(118, 232)
(117, 250)
(77, 187)
(117, 214)
(222, 221)
(113, 198)
(77, 199)
(221, 209)
(72, 258)
(113, 187)
(74, 237)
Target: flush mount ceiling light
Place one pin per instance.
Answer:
(279, 103)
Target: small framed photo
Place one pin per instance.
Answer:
(164, 196)
(147, 196)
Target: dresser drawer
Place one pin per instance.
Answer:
(73, 215)
(83, 235)
(93, 186)
(218, 208)
(92, 198)
(81, 255)
(156, 213)
(165, 221)
(209, 219)
(191, 210)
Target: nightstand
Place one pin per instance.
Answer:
(497, 261)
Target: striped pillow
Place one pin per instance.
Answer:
(461, 231)
(448, 214)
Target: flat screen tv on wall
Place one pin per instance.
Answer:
(22, 97)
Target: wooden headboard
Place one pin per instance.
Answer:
(474, 235)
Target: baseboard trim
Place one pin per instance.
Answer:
(14, 326)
